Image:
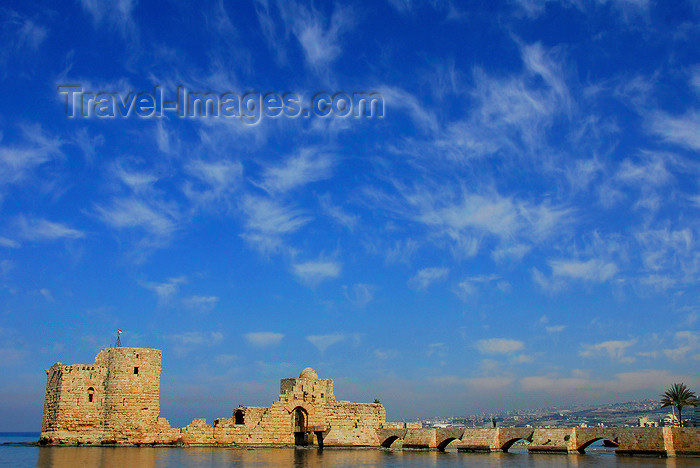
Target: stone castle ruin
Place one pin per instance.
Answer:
(116, 401)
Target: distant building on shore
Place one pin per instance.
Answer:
(646, 421)
(695, 417)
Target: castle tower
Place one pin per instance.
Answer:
(115, 399)
(308, 387)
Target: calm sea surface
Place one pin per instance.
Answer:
(147, 457)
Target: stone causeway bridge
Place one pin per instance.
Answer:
(664, 441)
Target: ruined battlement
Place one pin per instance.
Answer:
(116, 400)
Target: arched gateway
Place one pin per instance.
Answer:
(300, 419)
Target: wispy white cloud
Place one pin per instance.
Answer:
(468, 287)
(6, 266)
(385, 354)
(541, 62)
(88, 143)
(401, 251)
(343, 218)
(200, 304)
(268, 220)
(682, 130)
(9, 243)
(319, 36)
(590, 270)
(20, 35)
(18, 161)
(687, 346)
(270, 30)
(308, 165)
(184, 343)
(427, 276)
(314, 272)
(668, 254)
(448, 7)
(465, 289)
(423, 118)
(465, 218)
(651, 169)
(221, 21)
(167, 289)
(39, 229)
(649, 380)
(323, 342)
(154, 217)
(267, 216)
(138, 181)
(507, 251)
(614, 349)
(627, 10)
(593, 270)
(213, 182)
(402, 5)
(264, 339)
(481, 384)
(499, 346)
(360, 294)
(30, 35)
(117, 14)
(46, 294)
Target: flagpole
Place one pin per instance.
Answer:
(119, 341)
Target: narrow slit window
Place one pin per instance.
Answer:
(136, 371)
(91, 394)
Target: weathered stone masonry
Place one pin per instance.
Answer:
(116, 401)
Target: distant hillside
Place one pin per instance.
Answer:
(616, 414)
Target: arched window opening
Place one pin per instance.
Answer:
(239, 417)
(91, 394)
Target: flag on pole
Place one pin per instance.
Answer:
(119, 331)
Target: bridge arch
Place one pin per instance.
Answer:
(443, 444)
(614, 442)
(505, 447)
(388, 442)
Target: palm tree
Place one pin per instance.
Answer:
(679, 396)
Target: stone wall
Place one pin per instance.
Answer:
(115, 399)
(683, 441)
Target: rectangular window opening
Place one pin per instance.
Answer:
(136, 370)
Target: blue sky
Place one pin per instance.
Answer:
(520, 228)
